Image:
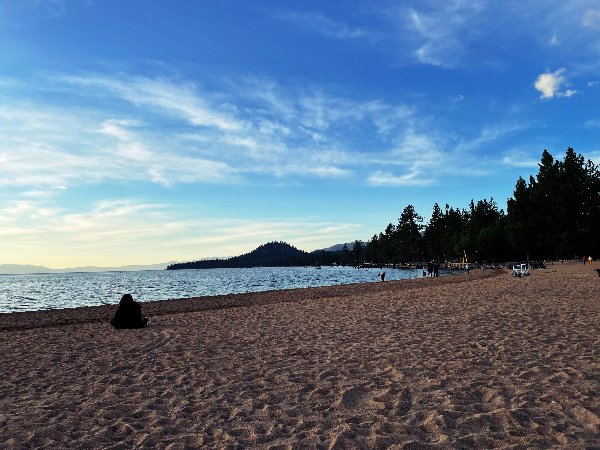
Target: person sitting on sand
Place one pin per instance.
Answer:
(129, 314)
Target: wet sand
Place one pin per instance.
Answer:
(472, 361)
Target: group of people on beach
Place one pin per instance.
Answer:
(433, 269)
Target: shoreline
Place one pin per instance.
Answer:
(83, 314)
(458, 362)
(101, 289)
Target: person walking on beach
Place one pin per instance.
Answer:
(590, 260)
(436, 269)
(382, 276)
(129, 314)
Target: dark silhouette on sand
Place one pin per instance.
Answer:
(129, 314)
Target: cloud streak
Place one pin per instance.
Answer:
(320, 23)
(118, 228)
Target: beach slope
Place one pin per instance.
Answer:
(472, 361)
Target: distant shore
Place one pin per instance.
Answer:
(483, 360)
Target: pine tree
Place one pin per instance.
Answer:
(408, 234)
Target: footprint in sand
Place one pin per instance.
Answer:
(354, 397)
(405, 403)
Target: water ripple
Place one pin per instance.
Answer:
(68, 290)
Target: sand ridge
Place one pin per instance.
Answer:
(483, 362)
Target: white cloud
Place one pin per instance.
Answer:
(53, 148)
(592, 123)
(594, 156)
(120, 229)
(519, 158)
(183, 99)
(288, 133)
(22, 9)
(118, 128)
(325, 26)
(549, 84)
(382, 178)
(448, 33)
(440, 32)
(591, 19)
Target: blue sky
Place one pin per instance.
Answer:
(138, 132)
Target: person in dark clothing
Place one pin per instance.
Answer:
(129, 314)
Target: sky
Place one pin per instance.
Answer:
(143, 131)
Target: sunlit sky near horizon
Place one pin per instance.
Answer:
(141, 131)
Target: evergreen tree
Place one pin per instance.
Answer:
(346, 255)
(570, 204)
(389, 244)
(454, 225)
(544, 214)
(433, 236)
(357, 252)
(519, 221)
(408, 233)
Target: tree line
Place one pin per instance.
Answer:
(555, 215)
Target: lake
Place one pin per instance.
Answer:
(68, 290)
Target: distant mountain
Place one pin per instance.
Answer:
(272, 254)
(339, 247)
(22, 269)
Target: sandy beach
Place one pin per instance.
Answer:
(472, 361)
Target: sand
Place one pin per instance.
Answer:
(472, 361)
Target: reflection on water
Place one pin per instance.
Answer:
(68, 290)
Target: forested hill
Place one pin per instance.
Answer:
(273, 254)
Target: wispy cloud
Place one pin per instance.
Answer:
(595, 156)
(592, 123)
(383, 178)
(438, 33)
(22, 9)
(326, 26)
(591, 19)
(182, 99)
(427, 156)
(52, 148)
(115, 229)
(519, 158)
(149, 131)
(451, 33)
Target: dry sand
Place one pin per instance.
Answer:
(474, 361)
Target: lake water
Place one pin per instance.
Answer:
(68, 290)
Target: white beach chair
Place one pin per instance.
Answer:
(520, 270)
